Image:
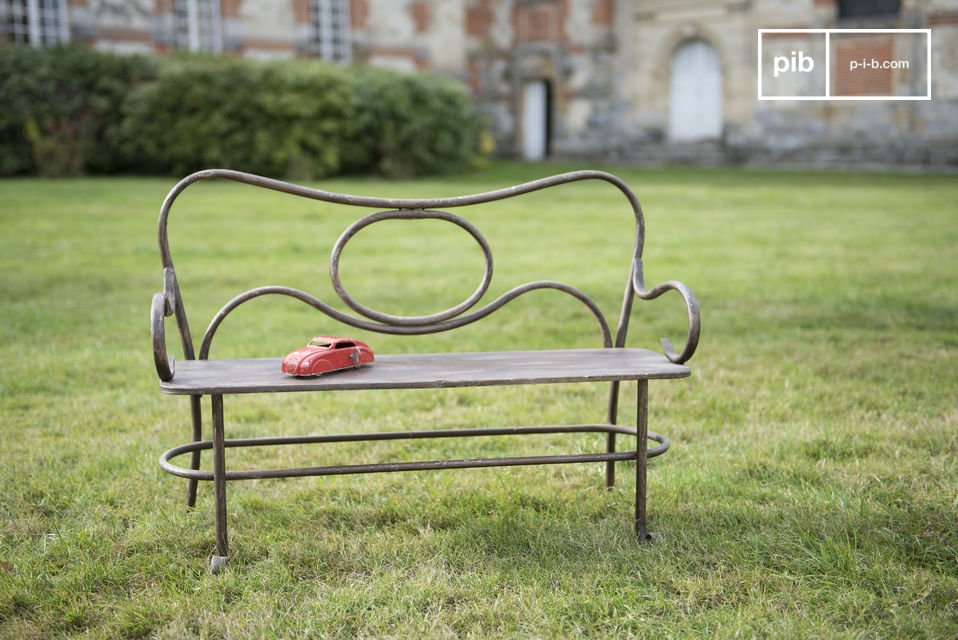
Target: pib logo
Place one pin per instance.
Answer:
(815, 64)
(797, 62)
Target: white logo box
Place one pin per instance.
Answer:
(827, 33)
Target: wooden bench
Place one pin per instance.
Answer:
(197, 375)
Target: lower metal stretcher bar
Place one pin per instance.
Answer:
(409, 466)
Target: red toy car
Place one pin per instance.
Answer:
(327, 353)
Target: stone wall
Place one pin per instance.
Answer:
(808, 132)
(567, 43)
(608, 66)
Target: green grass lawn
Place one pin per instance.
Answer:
(810, 490)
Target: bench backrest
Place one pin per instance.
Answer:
(169, 301)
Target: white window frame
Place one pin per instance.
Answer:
(46, 22)
(329, 30)
(198, 25)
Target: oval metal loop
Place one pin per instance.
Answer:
(409, 214)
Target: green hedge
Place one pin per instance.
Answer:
(273, 119)
(61, 108)
(414, 124)
(72, 110)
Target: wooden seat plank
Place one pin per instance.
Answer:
(428, 371)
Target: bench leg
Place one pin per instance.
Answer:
(610, 437)
(195, 412)
(609, 465)
(220, 557)
(641, 461)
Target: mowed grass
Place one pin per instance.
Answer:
(810, 490)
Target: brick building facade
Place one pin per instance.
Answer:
(658, 80)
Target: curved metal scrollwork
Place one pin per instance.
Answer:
(169, 302)
(161, 308)
(407, 329)
(692, 306)
(164, 304)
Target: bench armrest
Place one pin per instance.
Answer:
(692, 341)
(161, 308)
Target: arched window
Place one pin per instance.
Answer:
(695, 96)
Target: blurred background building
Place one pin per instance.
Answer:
(631, 80)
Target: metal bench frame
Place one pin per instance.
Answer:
(169, 302)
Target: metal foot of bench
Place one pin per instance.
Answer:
(218, 564)
(650, 537)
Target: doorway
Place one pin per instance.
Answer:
(536, 121)
(695, 97)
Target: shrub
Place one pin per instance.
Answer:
(60, 108)
(70, 110)
(414, 124)
(269, 118)
(56, 153)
